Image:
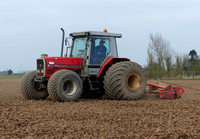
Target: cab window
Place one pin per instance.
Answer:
(100, 49)
(79, 48)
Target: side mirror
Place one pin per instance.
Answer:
(66, 39)
(67, 43)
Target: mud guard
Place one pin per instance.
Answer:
(109, 61)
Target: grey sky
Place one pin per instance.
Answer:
(29, 28)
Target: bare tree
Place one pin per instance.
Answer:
(155, 46)
(185, 62)
(178, 62)
(161, 49)
(150, 58)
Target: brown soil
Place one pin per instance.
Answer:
(146, 118)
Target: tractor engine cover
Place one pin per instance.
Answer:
(47, 66)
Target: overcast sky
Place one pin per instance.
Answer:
(29, 28)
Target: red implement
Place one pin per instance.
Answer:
(165, 92)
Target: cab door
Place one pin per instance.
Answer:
(99, 52)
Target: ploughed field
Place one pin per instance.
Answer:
(101, 118)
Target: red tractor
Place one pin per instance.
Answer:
(92, 69)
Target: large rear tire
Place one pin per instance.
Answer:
(65, 85)
(125, 81)
(28, 87)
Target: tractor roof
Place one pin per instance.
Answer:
(95, 33)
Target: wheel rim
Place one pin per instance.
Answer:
(133, 82)
(70, 87)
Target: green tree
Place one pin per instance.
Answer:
(193, 55)
(9, 72)
(193, 65)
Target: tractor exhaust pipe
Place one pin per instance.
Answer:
(62, 45)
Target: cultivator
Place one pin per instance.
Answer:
(165, 92)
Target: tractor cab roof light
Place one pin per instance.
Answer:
(105, 30)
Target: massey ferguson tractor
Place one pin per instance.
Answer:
(91, 70)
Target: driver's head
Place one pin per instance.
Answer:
(101, 42)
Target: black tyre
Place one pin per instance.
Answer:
(107, 84)
(125, 81)
(65, 85)
(28, 87)
(175, 94)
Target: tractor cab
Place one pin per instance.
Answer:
(94, 48)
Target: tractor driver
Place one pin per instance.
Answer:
(100, 52)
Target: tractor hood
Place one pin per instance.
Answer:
(53, 64)
(74, 62)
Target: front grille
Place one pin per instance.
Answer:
(50, 71)
(40, 67)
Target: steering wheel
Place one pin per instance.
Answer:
(81, 53)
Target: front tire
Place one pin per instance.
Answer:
(65, 85)
(125, 81)
(28, 87)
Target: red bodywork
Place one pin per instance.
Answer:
(54, 64)
(166, 92)
(111, 60)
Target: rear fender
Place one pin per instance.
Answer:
(109, 62)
